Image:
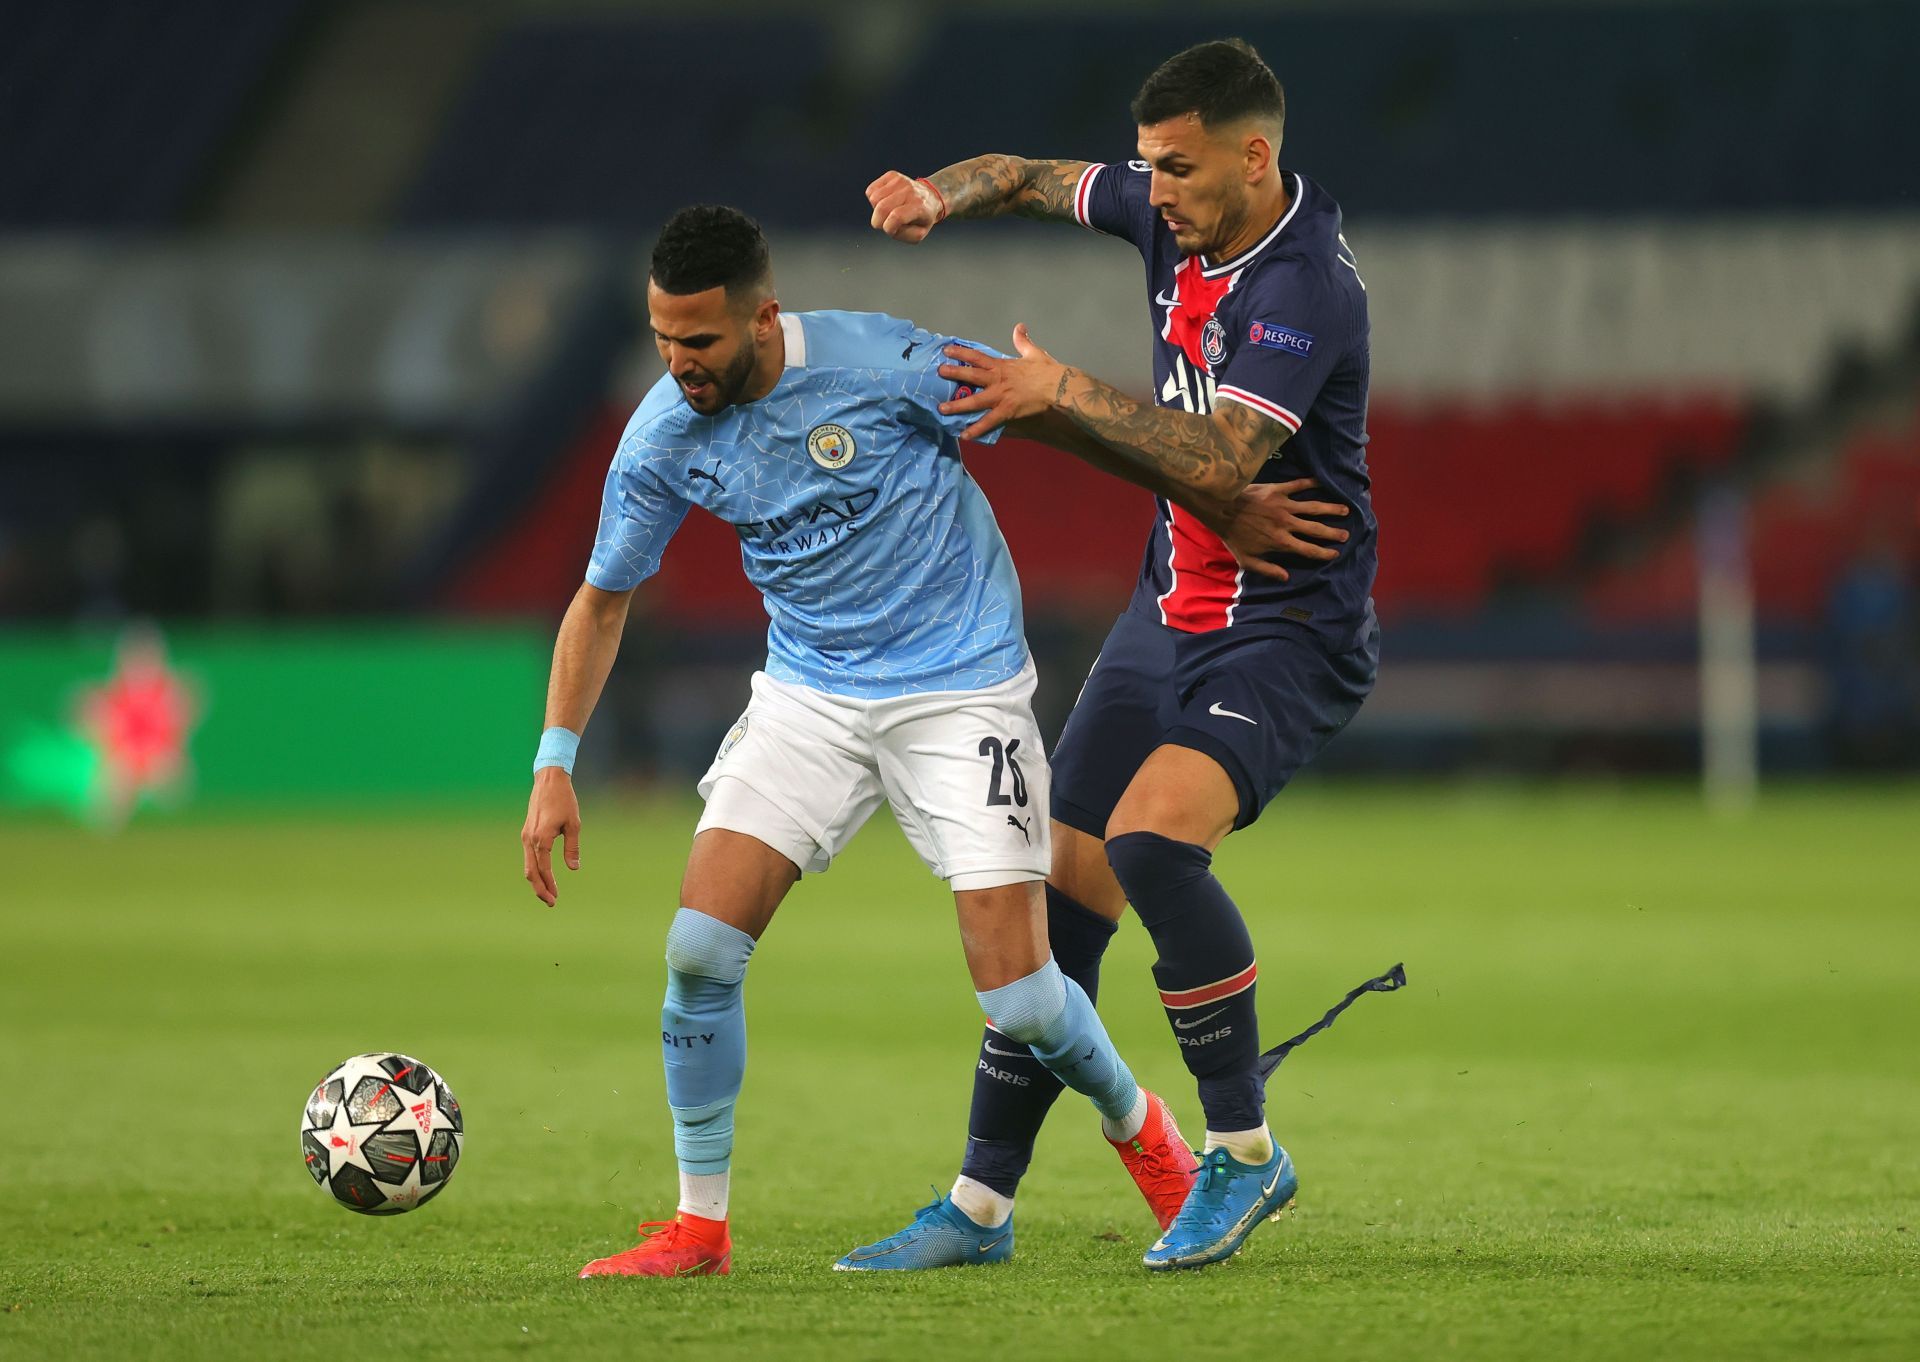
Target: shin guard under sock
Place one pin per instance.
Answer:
(703, 1036)
(1012, 1090)
(1205, 970)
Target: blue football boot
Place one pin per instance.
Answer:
(1228, 1199)
(941, 1235)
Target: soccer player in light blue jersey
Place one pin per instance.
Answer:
(897, 672)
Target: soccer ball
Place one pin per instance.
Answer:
(382, 1133)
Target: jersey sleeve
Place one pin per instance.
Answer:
(1113, 199)
(925, 390)
(638, 515)
(1293, 330)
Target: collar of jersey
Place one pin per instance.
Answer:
(796, 340)
(1239, 261)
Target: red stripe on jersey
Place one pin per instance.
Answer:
(1211, 993)
(1082, 191)
(1266, 406)
(1205, 583)
(1197, 298)
(1205, 579)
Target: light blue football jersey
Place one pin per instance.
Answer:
(883, 570)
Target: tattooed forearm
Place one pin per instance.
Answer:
(988, 186)
(1261, 436)
(1054, 428)
(1214, 456)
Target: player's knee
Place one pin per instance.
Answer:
(701, 945)
(1026, 1009)
(1154, 870)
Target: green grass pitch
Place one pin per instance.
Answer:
(1652, 1092)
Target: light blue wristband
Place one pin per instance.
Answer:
(557, 748)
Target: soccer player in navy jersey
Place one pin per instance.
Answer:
(1224, 676)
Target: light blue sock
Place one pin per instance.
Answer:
(703, 1036)
(1052, 1015)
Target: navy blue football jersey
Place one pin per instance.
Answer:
(1282, 327)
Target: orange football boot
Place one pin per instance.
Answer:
(685, 1246)
(1160, 1162)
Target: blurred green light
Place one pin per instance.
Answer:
(45, 766)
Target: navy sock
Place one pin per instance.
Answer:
(1012, 1090)
(1205, 972)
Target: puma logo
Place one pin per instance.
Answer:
(1022, 825)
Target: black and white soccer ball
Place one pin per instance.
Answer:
(381, 1133)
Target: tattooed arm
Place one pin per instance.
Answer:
(1267, 518)
(1213, 456)
(984, 187)
(1216, 455)
(1056, 428)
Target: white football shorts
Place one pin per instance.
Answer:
(965, 772)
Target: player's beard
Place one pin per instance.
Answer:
(1235, 213)
(727, 385)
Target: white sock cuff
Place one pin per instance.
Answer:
(1126, 1127)
(704, 1194)
(1247, 1146)
(980, 1203)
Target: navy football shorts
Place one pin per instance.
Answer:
(1261, 705)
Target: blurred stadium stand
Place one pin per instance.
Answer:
(331, 310)
(1687, 108)
(117, 114)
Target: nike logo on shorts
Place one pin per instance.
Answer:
(1223, 712)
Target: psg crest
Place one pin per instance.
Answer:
(1213, 340)
(831, 446)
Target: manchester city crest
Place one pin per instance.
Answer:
(1213, 340)
(831, 446)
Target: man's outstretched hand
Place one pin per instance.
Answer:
(553, 812)
(1003, 389)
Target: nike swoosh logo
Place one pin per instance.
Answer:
(1010, 1054)
(1268, 1189)
(993, 1244)
(1217, 708)
(1189, 1025)
(1165, 301)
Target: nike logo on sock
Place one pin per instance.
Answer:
(1223, 712)
(1008, 1054)
(1197, 1021)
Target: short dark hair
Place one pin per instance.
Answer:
(707, 246)
(1221, 81)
